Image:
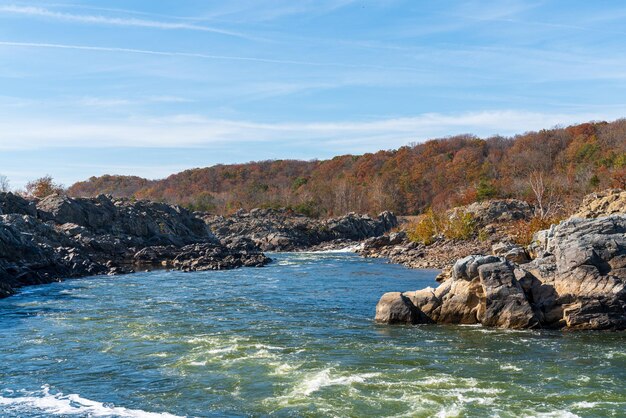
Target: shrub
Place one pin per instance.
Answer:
(460, 226)
(523, 230)
(310, 209)
(426, 228)
(485, 190)
(44, 186)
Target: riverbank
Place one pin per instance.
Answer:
(47, 240)
(571, 276)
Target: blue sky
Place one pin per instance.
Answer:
(150, 87)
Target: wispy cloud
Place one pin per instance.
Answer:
(117, 102)
(269, 10)
(336, 137)
(197, 55)
(116, 21)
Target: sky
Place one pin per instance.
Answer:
(150, 88)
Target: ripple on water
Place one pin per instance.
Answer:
(293, 339)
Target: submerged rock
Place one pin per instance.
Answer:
(577, 282)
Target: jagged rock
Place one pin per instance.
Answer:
(12, 203)
(160, 223)
(63, 237)
(505, 304)
(197, 257)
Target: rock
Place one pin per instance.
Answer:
(283, 230)
(12, 203)
(63, 237)
(590, 274)
(499, 210)
(141, 221)
(578, 282)
(197, 257)
(511, 252)
(608, 202)
(396, 308)
(505, 304)
(467, 268)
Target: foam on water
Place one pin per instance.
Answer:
(72, 404)
(313, 382)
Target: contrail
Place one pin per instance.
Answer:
(116, 21)
(193, 55)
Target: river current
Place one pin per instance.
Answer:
(295, 338)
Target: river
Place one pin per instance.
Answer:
(295, 338)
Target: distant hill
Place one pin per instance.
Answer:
(557, 165)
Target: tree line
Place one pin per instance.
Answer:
(552, 168)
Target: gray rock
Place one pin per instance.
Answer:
(283, 230)
(396, 308)
(503, 210)
(64, 237)
(503, 302)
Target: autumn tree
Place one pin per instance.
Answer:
(44, 186)
(553, 168)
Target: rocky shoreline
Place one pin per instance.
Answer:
(47, 240)
(43, 241)
(572, 276)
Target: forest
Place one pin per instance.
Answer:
(551, 168)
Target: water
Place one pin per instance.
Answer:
(293, 339)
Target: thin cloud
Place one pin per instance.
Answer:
(196, 55)
(116, 21)
(350, 136)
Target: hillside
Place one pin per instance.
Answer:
(555, 166)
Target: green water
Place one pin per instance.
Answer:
(293, 339)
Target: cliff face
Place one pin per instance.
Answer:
(60, 237)
(577, 280)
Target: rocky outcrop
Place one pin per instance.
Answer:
(491, 218)
(438, 255)
(61, 237)
(499, 210)
(283, 230)
(198, 257)
(607, 202)
(577, 281)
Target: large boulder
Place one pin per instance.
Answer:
(590, 275)
(396, 308)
